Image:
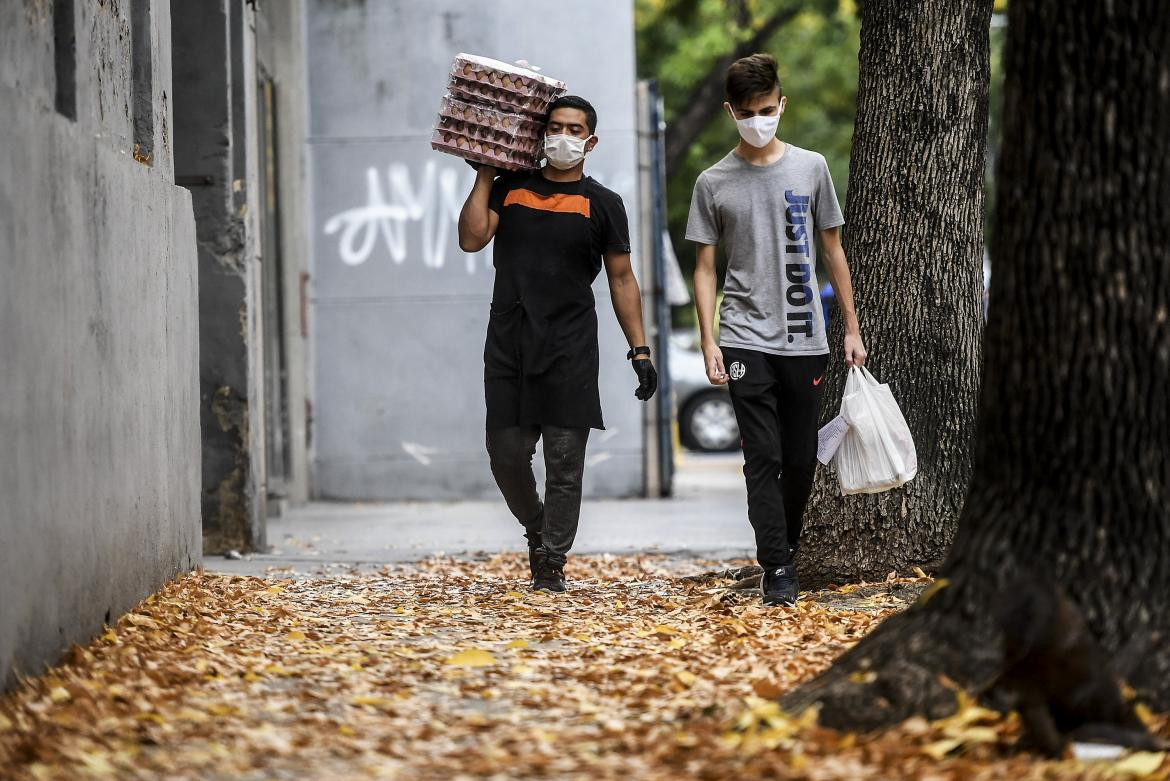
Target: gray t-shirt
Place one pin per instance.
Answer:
(765, 217)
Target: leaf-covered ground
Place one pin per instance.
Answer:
(453, 669)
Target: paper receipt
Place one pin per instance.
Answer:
(829, 438)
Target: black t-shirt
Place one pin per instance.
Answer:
(541, 356)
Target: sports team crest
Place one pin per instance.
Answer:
(737, 370)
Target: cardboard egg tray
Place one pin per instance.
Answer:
(471, 71)
(452, 110)
(479, 151)
(475, 132)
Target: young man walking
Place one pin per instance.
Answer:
(554, 230)
(766, 203)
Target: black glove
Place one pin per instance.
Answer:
(647, 378)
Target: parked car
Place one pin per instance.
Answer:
(706, 420)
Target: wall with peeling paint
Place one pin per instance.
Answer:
(99, 470)
(398, 311)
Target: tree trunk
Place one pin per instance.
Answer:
(1072, 458)
(914, 239)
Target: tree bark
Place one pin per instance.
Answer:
(1072, 459)
(707, 101)
(914, 239)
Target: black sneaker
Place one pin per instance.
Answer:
(780, 586)
(548, 572)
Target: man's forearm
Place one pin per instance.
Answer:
(705, 303)
(627, 305)
(842, 283)
(474, 222)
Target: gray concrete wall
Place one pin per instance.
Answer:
(398, 311)
(99, 472)
(281, 52)
(215, 153)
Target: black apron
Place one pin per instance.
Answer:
(541, 353)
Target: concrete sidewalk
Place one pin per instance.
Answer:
(707, 518)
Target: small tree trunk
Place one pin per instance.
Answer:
(914, 240)
(1072, 465)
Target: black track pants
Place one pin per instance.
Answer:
(777, 400)
(510, 451)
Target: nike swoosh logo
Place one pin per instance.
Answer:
(817, 381)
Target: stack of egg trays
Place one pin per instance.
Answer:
(494, 113)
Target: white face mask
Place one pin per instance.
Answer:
(759, 131)
(564, 151)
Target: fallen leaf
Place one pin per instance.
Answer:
(1141, 763)
(472, 657)
(940, 748)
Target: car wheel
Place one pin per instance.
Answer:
(707, 423)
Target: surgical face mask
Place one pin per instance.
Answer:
(564, 151)
(758, 131)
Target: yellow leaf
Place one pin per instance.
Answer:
(59, 695)
(190, 714)
(932, 590)
(677, 642)
(274, 589)
(5, 723)
(1141, 763)
(663, 629)
(1144, 713)
(978, 735)
(376, 702)
(139, 620)
(583, 638)
(110, 636)
(346, 730)
(295, 634)
(472, 657)
(863, 676)
(97, 764)
(514, 594)
(222, 709)
(252, 677)
(521, 669)
(918, 571)
(940, 748)
(686, 678)
(517, 644)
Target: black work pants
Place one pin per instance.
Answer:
(777, 400)
(510, 451)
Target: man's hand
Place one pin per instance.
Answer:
(713, 359)
(647, 377)
(855, 353)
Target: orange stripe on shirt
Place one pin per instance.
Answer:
(558, 202)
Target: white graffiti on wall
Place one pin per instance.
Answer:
(393, 204)
(435, 204)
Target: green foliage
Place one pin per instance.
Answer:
(678, 43)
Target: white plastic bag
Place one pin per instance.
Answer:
(877, 453)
